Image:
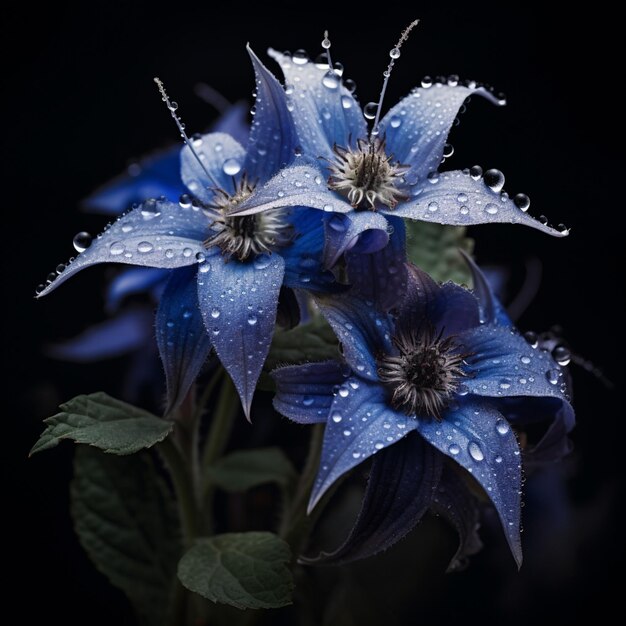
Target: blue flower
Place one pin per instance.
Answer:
(450, 367)
(361, 177)
(228, 272)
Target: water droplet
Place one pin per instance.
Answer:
(262, 261)
(491, 208)
(187, 252)
(462, 198)
(498, 459)
(215, 313)
(427, 82)
(231, 167)
(395, 122)
(522, 202)
(433, 207)
(356, 455)
(252, 320)
(454, 449)
(117, 248)
(300, 57)
(331, 80)
(321, 61)
(200, 257)
(81, 241)
(475, 451)
(564, 230)
(145, 247)
(462, 390)
(448, 150)
(394, 53)
(346, 102)
(204, 268)
(350, 85)
(453, 80)
(464, 210)
(476, 172)
(343, 392)
(185, 201)
(560, 354)
(543, 219)
(337, 223)
(532, 338)
(336, 417)
(552, 377)
(369, 110)
(494, 179)
(525, 360)
(60, 268)
(502, 427)
(379, 445)
(347, 433)
(328, 208)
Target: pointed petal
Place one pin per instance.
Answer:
(133, 281)
(238, 303)
(454, 501)
(456, 198)
(303, 258)
(298, 185)
(157, 234)
(304, 393)
(154, 176)
(273, 135)
(222, 157)
(417, 127)
(359, 425)
(503, 365)
(234, 122)
(490, 309)
(381, 276)
(360, 231)
(323, 115)
(362, 330)
(401, 486)
(478, 438)
(184, 345)
(119, 335)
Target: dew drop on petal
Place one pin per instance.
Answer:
(552, 377)
(117, 248)
(522, 202)
(81, 241)
(331, 80)
(336, 417)
(262, 261)
(145, 247)
(369, 110)
(475, 451)
(502, 427)
(454, 449)
(215, 313)
(231, 167)
(494, 179)
(300, 57)
(491, 208)
(561, 355)
(252, 320)
(476, 172)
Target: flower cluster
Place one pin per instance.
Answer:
(305, 211)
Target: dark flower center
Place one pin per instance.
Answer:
(367, 176)
(425, 374)
(247, 235)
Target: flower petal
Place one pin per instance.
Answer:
(222, 157)
(362, 330)
(298, 185)
(126, 332)
(233, 122)
(359, 425)
(479, 439)
(238, 303)
(183, 342)
(303, 258)
(381, 276)
(456, 198)
(417, 127)
(304, 393)
(323, 115)
(157, 234)
(400, 489)
(361, 231)
(133, 281)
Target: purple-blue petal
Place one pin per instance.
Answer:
(133, 281)
(304, 393)
(477, 437)
(184, 345)
(273, 137)
(238, 303)
(233, 122)
(360, 423)
(456, 198)
(157, 234)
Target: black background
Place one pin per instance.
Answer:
(83, 103)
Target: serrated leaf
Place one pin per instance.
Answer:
(104, 422)
(313, 341)
(244, 469)
(245, 570)
(126, 521)
(435, 249)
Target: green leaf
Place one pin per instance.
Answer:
(245, 570)
(104, 422)
(126, 521)
(435, 248)
(244, 469)
(313, 341)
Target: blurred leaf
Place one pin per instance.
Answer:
(126, 521)
(104, 422)
(244, 469)
(435, 248)
(245, 570)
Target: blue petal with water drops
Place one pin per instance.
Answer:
(503, 364)
(184, 344)
(128, 331)
(477, 437)
(273, 137)
(156, 234)
(360, 424)
(324, 111)
(133, 281)
(362, 329)
(417, 127)
(298, 185)
(361, 231)
(303, 258)
(458, 199)
(305, 393)
(238, 303)
(400, 489)
(221, 157)
(381, 276)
